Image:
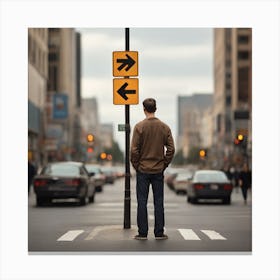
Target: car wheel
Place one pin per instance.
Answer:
(189, 200)
(227, 200)
(40, 201)
(99, 188)
(83, 201)
(194, 200)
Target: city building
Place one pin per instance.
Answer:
(107, 135)
(232, 90)
(64, 95)
(90, 125)
(37, 92)
(242, 85)
(193, 112)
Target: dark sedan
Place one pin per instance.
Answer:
(64, 180)
(209, 184)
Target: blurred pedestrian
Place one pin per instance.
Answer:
(234, 178)
(245, 181)
(31, 173)
(149, 158)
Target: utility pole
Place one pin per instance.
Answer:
(127, 199)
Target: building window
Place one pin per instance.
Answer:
(228, 85)
(242, 39)
(228, 63)
(243, 55)
(228, 100)
(52, 81)
(53, 56)
(243, 84)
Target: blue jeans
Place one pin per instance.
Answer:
(142, 190)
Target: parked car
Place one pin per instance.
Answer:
(181, 181)
(64, 180)
(169, 177)
(109, 174)
(119, 171)
(209, 184)
(99, 176)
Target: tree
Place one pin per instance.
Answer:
(179, 158)
(193, 156)
(116, 152)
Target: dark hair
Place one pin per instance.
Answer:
(150, 105)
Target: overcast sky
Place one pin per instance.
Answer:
(172, 62)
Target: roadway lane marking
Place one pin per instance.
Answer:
(188, 234)
(213, 235)
(70, 235)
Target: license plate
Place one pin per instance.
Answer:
(214, 187)
(55, 188)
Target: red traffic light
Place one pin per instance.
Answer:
(236, 141)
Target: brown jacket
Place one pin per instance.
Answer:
(150, 137)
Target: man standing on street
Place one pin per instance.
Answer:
(150, 139)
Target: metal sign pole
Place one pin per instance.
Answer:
(127, 149)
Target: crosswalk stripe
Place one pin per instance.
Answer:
(213, 235)
(70, 235)
(188, 234)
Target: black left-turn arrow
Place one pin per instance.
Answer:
(122, 91)
(129, 62)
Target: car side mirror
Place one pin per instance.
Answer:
(91, 174)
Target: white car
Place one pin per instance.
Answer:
(181, 182)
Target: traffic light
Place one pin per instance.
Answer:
(90, 138)
(239, 139)
(202, 153)
(103, 155)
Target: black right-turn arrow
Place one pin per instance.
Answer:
(129, 62)
(122, 91)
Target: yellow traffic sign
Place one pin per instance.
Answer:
(125, 91)
(125, 63)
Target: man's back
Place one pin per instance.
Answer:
(149, 139)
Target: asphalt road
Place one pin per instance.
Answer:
(208, 227)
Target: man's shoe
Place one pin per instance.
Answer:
(161, 237)
(140, 237)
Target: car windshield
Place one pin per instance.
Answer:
(92, 168)
(210, 177)
(185, 176)
(62, 170)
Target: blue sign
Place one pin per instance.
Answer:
(60, 106)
